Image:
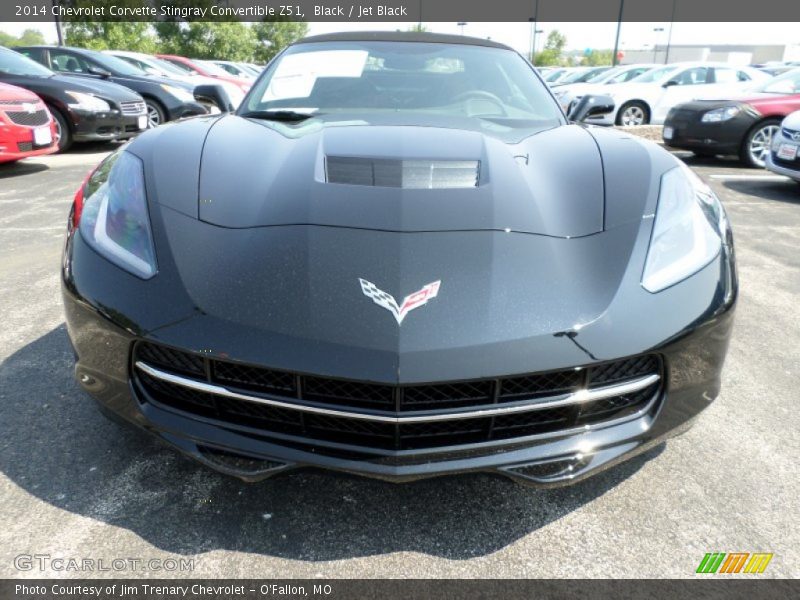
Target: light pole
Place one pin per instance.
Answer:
(534, 22)
(655, 44)
(462, 25)
(59, 27)
(614, 58)
(669, 37)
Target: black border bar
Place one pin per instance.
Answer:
(760, 11)
(710, 587)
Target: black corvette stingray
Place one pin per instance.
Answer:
(399, 259)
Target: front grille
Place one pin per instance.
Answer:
(791, 164)
(29, 119)
(791, 134)
(25, 146)
(133, 108)
(403, 401)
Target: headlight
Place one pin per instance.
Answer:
(720, 114)
(688, 230)
(179, 93)
(88, 102)
(111, 211)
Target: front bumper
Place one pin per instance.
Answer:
(782, 169)
(692, 361)
(17, 142)
(105, 126)
(690, 133)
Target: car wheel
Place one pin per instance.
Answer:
(155, 114)
(757, 143)
(633, 113)
(63, 133)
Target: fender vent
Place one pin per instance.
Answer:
(410, 174)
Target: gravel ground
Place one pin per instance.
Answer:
(74, 485)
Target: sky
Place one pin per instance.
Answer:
(579, 35)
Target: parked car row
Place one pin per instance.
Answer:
(742, 124)
(89, 95)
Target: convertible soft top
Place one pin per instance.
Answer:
(401, 36)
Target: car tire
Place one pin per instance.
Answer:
(757, 142)
(62, 129)
(156, 115)
(634, 112)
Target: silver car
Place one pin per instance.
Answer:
(784, 156)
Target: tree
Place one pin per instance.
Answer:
(97, 35)
(29, 37)
(229, 40)
(598, 57)
(551, 55)
(274, 36)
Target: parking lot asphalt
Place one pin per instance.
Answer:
(73, 485)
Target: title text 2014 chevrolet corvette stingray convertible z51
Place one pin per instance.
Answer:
(399, 259)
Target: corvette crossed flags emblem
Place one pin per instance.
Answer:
(410, 302)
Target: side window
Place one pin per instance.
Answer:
(631, 74)
(693, 76)
(65, 62)
(722, 75)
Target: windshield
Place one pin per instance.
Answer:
(116, 65)
(605, 75)
(654, 75)
(417, 82)
(554, 75)
(160, 65)
(213, 69)
(12, 63)
(788, 83)
(573, 76)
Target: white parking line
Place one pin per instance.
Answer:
(732, 176)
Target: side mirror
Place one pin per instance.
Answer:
(215, 94)
(99, 72)
(669, 83)
(590, 106)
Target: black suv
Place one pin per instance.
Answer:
(166, 99)
(84, 110)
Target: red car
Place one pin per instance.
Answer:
(26, 126)
(204, 68)
(743, 126)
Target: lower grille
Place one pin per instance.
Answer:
(791, 164)
(133, 108)
(29, 119)
(24, 146)
(388, 417)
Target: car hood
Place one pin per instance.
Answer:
(289, 294)
(792, 121)
(256, 174)
(12, 93)
(105, 89)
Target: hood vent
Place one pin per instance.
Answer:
(409, 174)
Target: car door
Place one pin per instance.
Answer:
(684, 85)
(70, 63)
(730, 80)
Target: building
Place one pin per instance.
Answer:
(739, 54)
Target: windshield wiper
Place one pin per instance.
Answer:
(277, 115)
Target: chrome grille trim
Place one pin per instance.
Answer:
(133, 108)
(579, 397)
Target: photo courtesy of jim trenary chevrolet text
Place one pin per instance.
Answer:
(344, 299)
